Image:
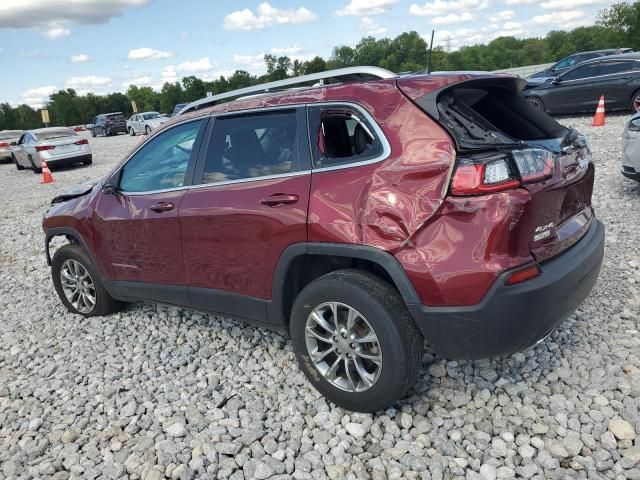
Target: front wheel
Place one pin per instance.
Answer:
(147, 130)
(635, 102)
(78, 284)
(131, 132)
(355, 340)
(536, 102)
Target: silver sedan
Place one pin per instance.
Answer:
(8, 139)
(58, 146)
(630, 167)
(145, 122)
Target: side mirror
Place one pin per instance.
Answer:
(113, 185)
(555, 80)
(13, 144)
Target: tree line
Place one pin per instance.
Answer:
(617, 26)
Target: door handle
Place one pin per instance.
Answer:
(162, 207)
(280, 199)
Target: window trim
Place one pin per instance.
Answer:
(386, 147)
(189, 177)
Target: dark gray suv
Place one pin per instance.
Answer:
(108, 124)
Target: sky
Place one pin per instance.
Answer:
(103, 46)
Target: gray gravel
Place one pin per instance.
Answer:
(159, 392)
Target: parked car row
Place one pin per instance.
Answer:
(578, 89)
(57, 146)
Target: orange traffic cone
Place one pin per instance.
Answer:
(46, 174)
(598, 120)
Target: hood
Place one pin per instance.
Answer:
(542, 74)
(78, 191)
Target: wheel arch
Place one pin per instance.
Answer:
(72, 235)
(302, 263)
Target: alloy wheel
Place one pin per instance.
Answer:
(636, 102)
(343, 347)
(78, 286)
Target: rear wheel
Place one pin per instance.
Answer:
(88, 161)
(147, 130)
(78, 284)
(93, 133)
(536, 102)
(35, 168)
(635, 102)
(18, 166)
(355, 340)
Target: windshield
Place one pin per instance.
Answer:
(151, 115)
(10, 134)
(53, 134)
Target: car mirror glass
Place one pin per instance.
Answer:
(13, 144)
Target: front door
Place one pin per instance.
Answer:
(252, 205)
(573, 91)
(136, 227)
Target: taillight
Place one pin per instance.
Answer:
(4, 145)
(84, 141)
(476, 176)
(522, 275)
(534, 164)
(42, 148)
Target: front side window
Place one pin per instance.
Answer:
(342, 135)
(566, 63)
(253, 146)
(586, 71)
(162, 163)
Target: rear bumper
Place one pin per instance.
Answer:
(512, 318)
(5, 154)
(59, 162)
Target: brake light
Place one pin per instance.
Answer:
(4, 145)
(534, 164)
(42, 148)
(522, 275)
(471, 178)
(84, 141)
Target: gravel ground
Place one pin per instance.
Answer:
(159, 392)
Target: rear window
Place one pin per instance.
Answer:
(115, 117)
(53, 134)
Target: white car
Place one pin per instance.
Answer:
(58, 146)
(8, 139)
(145, 122)
(630, 167)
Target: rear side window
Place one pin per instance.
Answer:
(253, 146)
(586, 71)
(342, 135)
(619, 66)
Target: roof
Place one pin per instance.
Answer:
(608, 58)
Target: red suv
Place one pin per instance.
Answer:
(359, 217)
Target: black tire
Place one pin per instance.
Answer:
(88, 161)
(105, 304)
(537, 103)
(635, 102)
(400, 340)
(131, 132)
(18, 166)
(36, 170)
(93, 133)
(107, 133)
(147, 130)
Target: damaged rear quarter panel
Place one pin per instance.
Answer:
(384, 204)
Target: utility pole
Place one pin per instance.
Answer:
(448, 43)
(430, 51)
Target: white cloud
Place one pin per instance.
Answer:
(452, 18)
(521, 2)
(80, 58)
(53, 16)
(169, 74)
(194, 66)
(370, 27)
(144, 81)
(558, 18)
(37, 97)
(288, 50)
(146, 53)
(568, 4)
(266, 16)
(501, 16)
(248, 59)
(442, 6)
(512, 25)
(89, 83)
(56, 31)
(366, 7)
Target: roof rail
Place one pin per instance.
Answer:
(345, 74)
